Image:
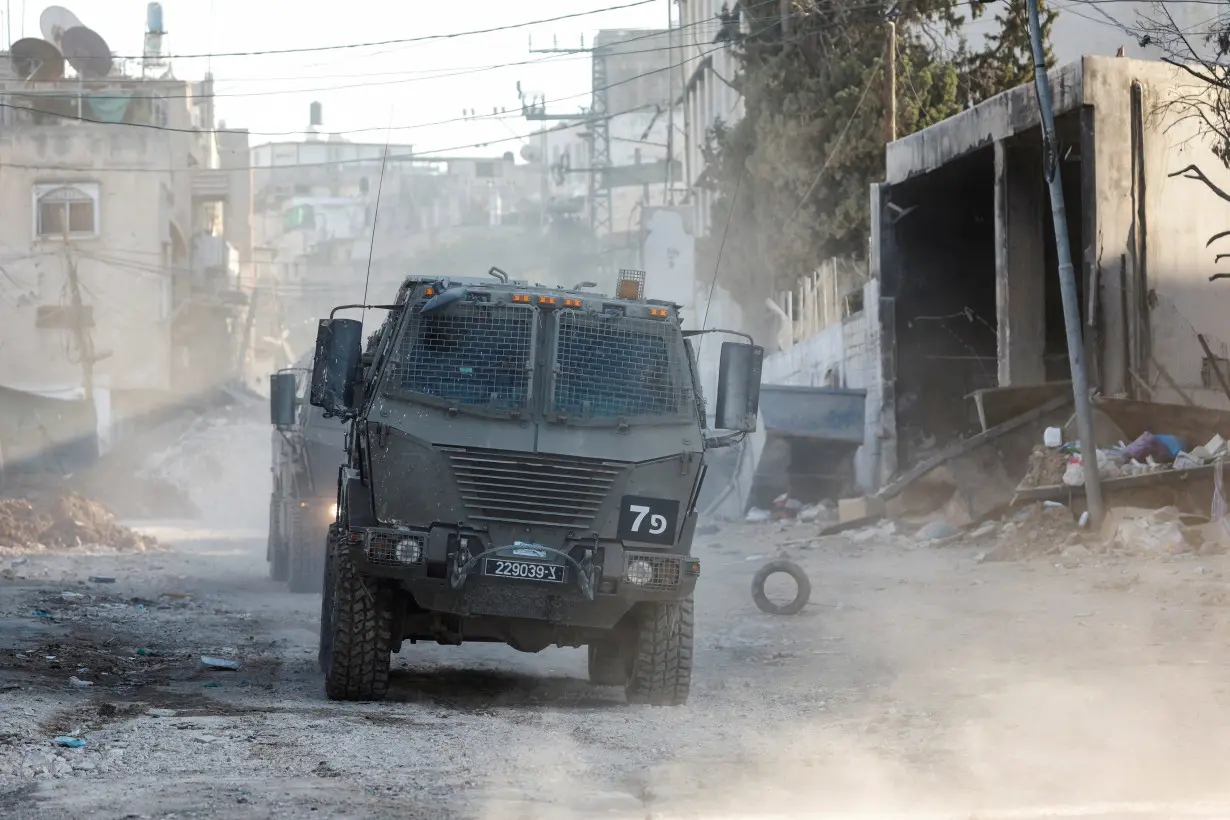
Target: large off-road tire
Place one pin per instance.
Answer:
(279, 563)
(661, 669)
(355, 630)
(307, 554)
(607, 665)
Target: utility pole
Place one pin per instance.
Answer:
(600, 210)
(1067, 275)
(785, 11)
(890, 83)
(85, 345)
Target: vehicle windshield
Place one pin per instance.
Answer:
(609, 367)
(480, 357)
(472, 355)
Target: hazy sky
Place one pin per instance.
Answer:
(367, 88)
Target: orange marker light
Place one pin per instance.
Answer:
(521, 297)
(429, 292)
(572, 303)
(658, 313)
(546, 300)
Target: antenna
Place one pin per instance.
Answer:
(36, 60)
(384, 160)
(86, 51)
(54, 21)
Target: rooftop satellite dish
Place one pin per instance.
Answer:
(54, 21)
(35, 59)
(87, 52)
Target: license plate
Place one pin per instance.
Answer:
(527, 570)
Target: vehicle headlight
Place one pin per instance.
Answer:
(333, 511)
(408, 551)
(639, 573)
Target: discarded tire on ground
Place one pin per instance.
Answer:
(794, 571)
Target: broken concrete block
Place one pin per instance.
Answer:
(856, 509)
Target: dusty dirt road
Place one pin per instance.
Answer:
(918, 682)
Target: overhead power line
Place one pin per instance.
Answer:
(399, 40)
(551, 59)
(452, 120)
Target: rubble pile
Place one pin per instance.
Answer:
(64, 521)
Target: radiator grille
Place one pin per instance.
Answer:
(667, 569)
(607, 367)
(532, 488)
(474, 355)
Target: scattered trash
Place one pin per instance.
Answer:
(754, 558)
(38, 613)
(219, 663)
(986, 529)
(79, 683)
(162, 713)
(1053, 438)
(794, 571)
(101, 579)
(204, 738)
(151, 653)
(213, 684)
(938, 531)
(70, 742)
(71, 595)
(757, 516)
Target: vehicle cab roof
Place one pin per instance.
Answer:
(490, 284)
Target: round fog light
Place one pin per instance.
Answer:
(640, 573)
(408, 551)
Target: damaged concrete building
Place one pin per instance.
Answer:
(964, 254)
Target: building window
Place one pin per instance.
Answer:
(71, 207)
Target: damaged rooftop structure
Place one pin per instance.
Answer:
(963, 251)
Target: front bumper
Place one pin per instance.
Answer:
(445, 573)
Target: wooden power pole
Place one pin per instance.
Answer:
(85, 345)
(890, 84)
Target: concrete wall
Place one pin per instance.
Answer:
(708, 99)
(120, 269)
(1154, 225)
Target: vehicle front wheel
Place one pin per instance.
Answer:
(661, 673)
(355, 639)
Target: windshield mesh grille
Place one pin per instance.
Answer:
(473, 355)
(608, 367)
(531, 488)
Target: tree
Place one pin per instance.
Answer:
(792, 177)
(1007, 59)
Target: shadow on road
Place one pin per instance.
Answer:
(482, 690)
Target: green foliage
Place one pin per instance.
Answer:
(1008, 58)
(812, 137)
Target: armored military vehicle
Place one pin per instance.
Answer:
(307, 450)
(522, 467)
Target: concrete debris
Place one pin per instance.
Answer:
(51, 520)
(1141, 531)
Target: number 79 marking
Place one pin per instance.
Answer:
(657, 523)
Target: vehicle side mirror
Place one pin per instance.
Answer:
(339, 346)
(282, 399)
(738, 398)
